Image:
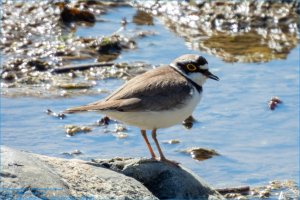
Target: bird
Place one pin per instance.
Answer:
(159, 98)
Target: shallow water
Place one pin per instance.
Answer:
(256, 145)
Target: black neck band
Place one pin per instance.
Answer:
(198, 87)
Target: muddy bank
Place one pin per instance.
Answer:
(236, 31)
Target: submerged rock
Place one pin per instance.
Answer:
(273, 103)
(71, 130)
(69, 14)
(199, 153)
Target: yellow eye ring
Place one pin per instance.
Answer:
(191, 67)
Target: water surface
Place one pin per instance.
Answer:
(256, 144)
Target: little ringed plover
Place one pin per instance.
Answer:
(158, 98)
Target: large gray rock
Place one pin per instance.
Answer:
(163, 180)
(30, 176)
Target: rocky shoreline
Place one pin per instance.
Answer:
(26, 175)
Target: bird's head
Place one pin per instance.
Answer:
(194, 67)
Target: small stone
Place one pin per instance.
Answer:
(172, 141)
(272, 105)
(103, 121)
(188, 122)
(264, 194)
(76, 152)
(9, 76)
(200, 154)
(57, 115)
(274, 102)
(276, 99)
(71, 130)
(120, 128)
(121, 135)
(72, 86)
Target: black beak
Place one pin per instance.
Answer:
(211, 76)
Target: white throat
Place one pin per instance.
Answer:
(196, 77)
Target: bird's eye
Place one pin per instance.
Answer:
(191, 67)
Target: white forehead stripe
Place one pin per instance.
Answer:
(204, 66)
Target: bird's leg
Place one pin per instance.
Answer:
(153, 156)
(162, 157)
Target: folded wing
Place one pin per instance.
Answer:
(156, 90)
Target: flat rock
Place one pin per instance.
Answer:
(31, 176)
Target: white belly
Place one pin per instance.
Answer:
(161, 119)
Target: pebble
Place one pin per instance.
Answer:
(121, 135)
(273, 103)
(200, 154)
(71, 130)
(172, 141)
(120, 128)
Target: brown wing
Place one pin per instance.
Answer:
(156, 90)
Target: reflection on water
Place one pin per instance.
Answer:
(239, 31)
(142, 18)
(248, 47)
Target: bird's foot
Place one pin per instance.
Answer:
(169, 162)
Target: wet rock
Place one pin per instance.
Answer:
(120, 128)
(142, 18)
(200, 154)
(109, 45)
(276, 189)
(111, 3)
(240, 191)
(119, 131)
(103, 121)
(163, 180)
(71, 130)
(110, 48)
(189, 122)
(76, 152)
(43, 177)
(69, 15)
(65, 81)
(72, 86)
(172, 141)
(121, 135)
(274, 102)
(8, 76)
(38, 65)
(72, 153)
(54, 114)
